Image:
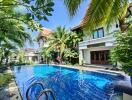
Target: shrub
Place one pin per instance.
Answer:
(5, 79)
(122, 53)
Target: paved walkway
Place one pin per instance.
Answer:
(11, 92)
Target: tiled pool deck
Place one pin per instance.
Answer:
(13, 92)
(94, 68)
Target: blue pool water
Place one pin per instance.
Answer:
(66, 83)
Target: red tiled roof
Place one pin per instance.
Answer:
(44, 33)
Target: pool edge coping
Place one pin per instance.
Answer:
(15, 85)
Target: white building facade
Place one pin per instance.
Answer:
(32, 55)
(95, 49)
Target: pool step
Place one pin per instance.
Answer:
(44, 92)
(31, 80)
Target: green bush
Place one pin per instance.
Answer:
(122, 53)
(5, 79)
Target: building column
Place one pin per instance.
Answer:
(39, 58)
(80, 57)
(30, 58)
(87, 56)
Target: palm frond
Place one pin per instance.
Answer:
(59, 39)
(103, 12)
(72, 6)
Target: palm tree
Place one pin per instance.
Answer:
(58, 40)
(101, 12)
(7, 49)
(74, 39)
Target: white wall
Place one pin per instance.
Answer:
(100, 48)
(87, 57)
(108, 39)
(84, 56)
(30, 58)
(80, 57)
(106, 32)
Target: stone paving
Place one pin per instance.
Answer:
(11, 92)
(93, 68)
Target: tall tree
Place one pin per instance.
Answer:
(33, 9)
(59, 39)
(12, 39)
(101, 12)
(12, 35)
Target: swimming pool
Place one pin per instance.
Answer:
(66, 83)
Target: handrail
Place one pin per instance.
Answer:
(45, 92)
(30, 88)
(30, 80)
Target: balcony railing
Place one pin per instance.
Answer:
(98, 40)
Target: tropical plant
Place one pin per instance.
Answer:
(45, 54)
(122, 53)
(12, 36)
(101, 12)
(58, 40)
(12, 29)
(21, 56)
(70, 54)
(73, 40)
(62, 43)
(35, 10)
(5, 79)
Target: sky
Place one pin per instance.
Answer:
(60, 18)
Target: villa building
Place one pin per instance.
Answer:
(95, 49)
(42, 41)
(32, 55)
(42, 37)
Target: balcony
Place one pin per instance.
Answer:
(105, 39)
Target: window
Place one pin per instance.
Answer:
(98, 33)
(95, 34)
(101, 32)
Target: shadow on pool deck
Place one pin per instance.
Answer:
(7, 94)
(4, 94)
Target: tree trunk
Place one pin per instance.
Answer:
(123, 26)
(7, 59)
(6, 56)
(60, 58)
(1, 59)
